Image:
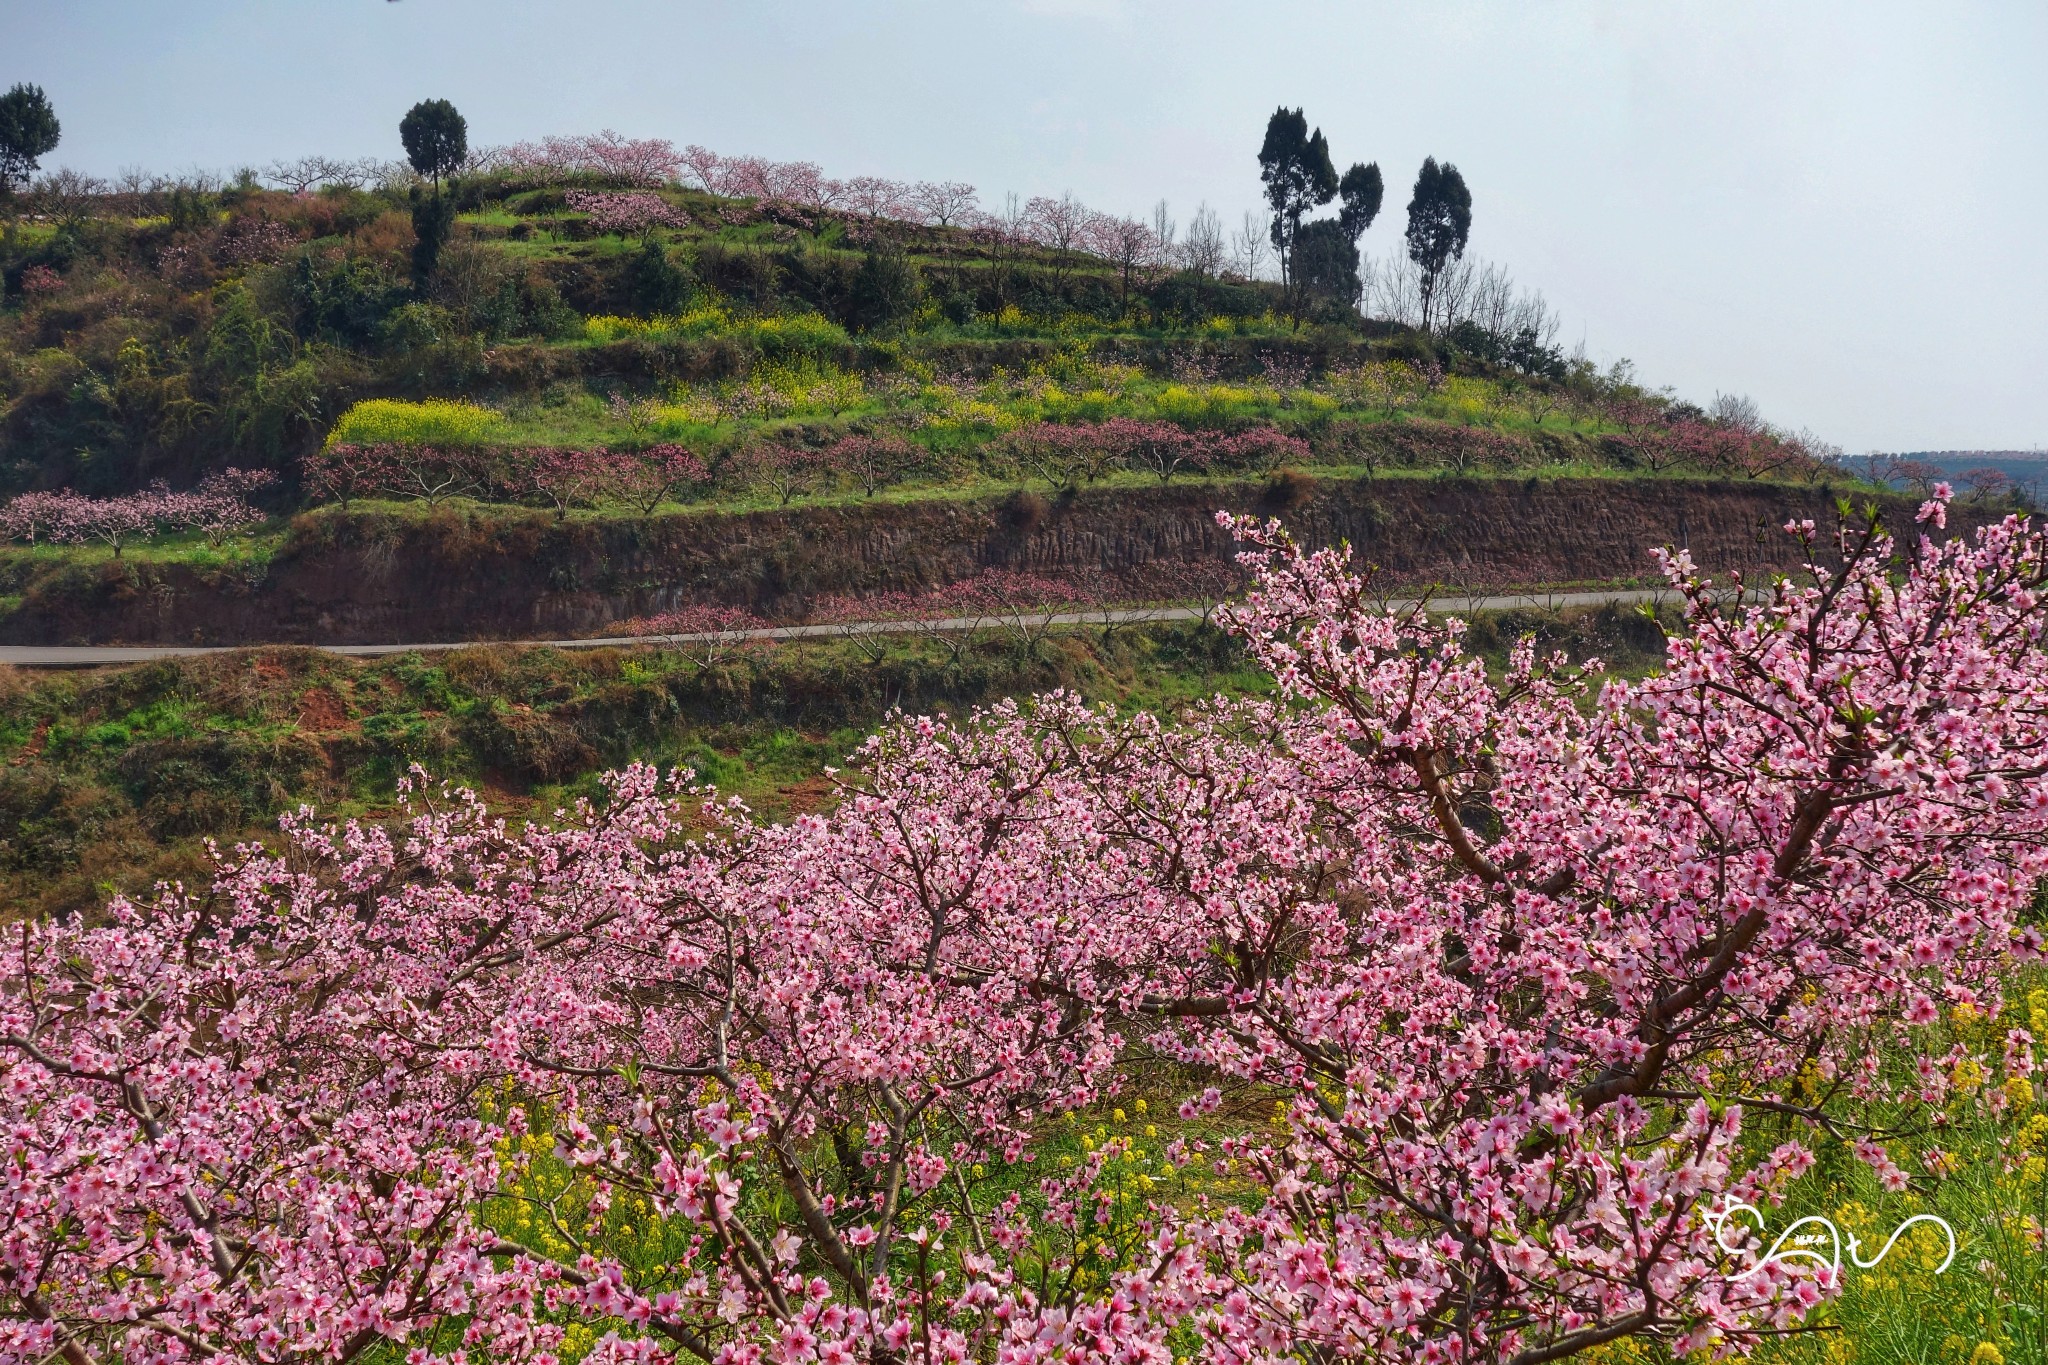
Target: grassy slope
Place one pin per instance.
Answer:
(111, 779)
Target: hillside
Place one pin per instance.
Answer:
(577, 340)
(164, 332)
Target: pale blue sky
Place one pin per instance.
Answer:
(1837, 208)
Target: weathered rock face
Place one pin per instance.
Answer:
(469, 575)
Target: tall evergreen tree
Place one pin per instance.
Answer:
(1296, 169)
(1439, 222)
(28, 132)
(433, 222)
(436, 139)
(1360, 193)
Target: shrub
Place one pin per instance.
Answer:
(658, 284)
(886, 291)
(1287, 490)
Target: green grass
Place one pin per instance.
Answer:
(241, 554)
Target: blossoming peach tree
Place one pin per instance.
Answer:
(1544, 970)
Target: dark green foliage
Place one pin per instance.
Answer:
(1296, 169)
(1361, 191)
(1326, 264)
(213, 783)
(28, 132)
(1522, 350)
(957, 306)
(1526, 352)
(657, 284)
(413, 327)
(189, 209)
(886, 292)
(743, 274)
(1187, 300)
(433, 220)
(436, 139)
(1439, 222)
(47, 824)
(344, 302)
(820, 280)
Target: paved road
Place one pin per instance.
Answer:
(96, 656)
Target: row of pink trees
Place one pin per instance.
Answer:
(653, 162)
(218, 508)
(1062, 224)
(1518, 958)
(649, 162)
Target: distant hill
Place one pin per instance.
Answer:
(2027, 468)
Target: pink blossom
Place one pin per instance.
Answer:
(1516, 952)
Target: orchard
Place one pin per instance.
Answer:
(1474, 1001)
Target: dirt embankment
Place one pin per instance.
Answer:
(479, 575)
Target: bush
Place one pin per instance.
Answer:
(657, 284)
(886, 292)
(1287, 490)
(432, 421)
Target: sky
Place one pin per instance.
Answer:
(1836, 207)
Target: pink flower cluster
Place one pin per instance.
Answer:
(254, 239)
(1513, 955)
(805, 185)
(218, 507)
(633, 213)
(640, 479)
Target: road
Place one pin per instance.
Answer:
(99, 656)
